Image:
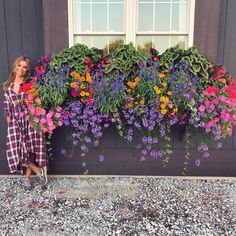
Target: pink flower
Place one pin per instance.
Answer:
(30, 125)
(36, 120)
(207, 103)
(216, 101)
(212, 107)
(49, 115)
(58, 109)
(201, 108)
(60, 123)
(74, 93)
(223, 98)
(38, 100)
(21, 114)
(32, 111)
(30, 97)
(42, 111)
(90, 101)
(43, 121)
(58, 115)
(27, 117)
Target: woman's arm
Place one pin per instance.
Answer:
(7, 108)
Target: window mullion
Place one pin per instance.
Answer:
(130, 20)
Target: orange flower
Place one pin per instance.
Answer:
(132, 84)
(163, 111)
(128, 90)
(129, 105)
(74, 85)
(141, 102)
(87, 94)
(137, 79)
(88, 78)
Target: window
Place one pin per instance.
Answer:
(106, 24)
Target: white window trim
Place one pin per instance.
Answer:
(131, 24)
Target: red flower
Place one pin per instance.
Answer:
(231, 90)
(211, 90)
(26, 87)
(40, 70)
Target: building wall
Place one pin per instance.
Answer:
(21, 33)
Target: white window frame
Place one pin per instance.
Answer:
(130, 26)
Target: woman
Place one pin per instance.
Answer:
(24, 146)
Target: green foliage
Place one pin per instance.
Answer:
(197, 63)
(125, 59)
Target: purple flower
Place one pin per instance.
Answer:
(197, 162)
(142, 158)
(206, 154)
(63, 151)
(144, 152)
(101, 157)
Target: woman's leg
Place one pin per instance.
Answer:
(34, 168)
(28, 173)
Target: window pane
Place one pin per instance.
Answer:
(82, 12)
(161, 43)
(107, 43)
(99, 17)
(116, 17)
(179, 17)
(162, 17)
(145, 17)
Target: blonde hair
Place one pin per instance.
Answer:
(12, 75)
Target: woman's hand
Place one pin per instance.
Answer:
(8, 119)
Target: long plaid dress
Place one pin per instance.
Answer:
(22, 141)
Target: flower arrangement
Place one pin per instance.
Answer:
(142, 96)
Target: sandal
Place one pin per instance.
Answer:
(27, 184)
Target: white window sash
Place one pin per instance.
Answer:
(131, 21)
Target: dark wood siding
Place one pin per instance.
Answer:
(21, 33)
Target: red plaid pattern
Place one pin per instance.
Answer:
(21, 139)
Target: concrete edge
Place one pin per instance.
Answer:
(131, 176)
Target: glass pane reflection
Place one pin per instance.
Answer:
(161, 43)
(107, 43)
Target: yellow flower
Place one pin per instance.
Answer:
(157, 90)
(87, 94)
(163, 111)
(163, 106)
(161, 75)
(175, 110)
(169, 93)
(82, 94)
(170, 105)
(164, 84)
(82, 86)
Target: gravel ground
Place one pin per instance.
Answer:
(119, 206)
